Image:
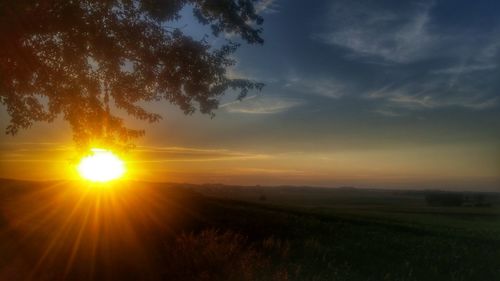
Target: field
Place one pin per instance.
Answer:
(146, 231)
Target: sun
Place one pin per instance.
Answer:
(101, 166)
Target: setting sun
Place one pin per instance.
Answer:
(101, 166)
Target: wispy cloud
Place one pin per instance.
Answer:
(464, 69)
(327, 87)
(476, 58)
(482, 104)
(190, 154)
(262, 104)
(33, 151)
(267, 7)
(53, 152)
(236, 72)
(416, 96)
(262, 171)
(371, 31)
(387, 112)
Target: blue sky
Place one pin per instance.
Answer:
(397, 58)
(370, 93)
(421, 71)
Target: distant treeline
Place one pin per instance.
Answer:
(451, 199)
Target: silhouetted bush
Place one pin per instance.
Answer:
(215, 255)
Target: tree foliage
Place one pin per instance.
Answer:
(83, 60)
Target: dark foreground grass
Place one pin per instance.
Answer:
(157, 232)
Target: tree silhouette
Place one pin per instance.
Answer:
(83, 60)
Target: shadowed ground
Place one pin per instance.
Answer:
(144, 231)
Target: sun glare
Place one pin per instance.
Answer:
(101, 166)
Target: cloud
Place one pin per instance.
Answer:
(482, 104)
(190, 154)
(267, 7)
(387, 112)
(34, 151)
(262, 105)
(57, 152)
(476, 58)
(249, 74)
(268, 171)
(419, 61)
(419, 96)
(464, 69)
(327, 87)
(367, 31)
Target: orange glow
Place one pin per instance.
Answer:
(92, 231)
(101, 166)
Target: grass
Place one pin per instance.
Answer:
(160, 232)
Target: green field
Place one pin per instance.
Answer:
(212, 232)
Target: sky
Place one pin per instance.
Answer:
(374, 94)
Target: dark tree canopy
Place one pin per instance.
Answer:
(83, 59)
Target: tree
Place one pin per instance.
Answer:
(83, 60)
